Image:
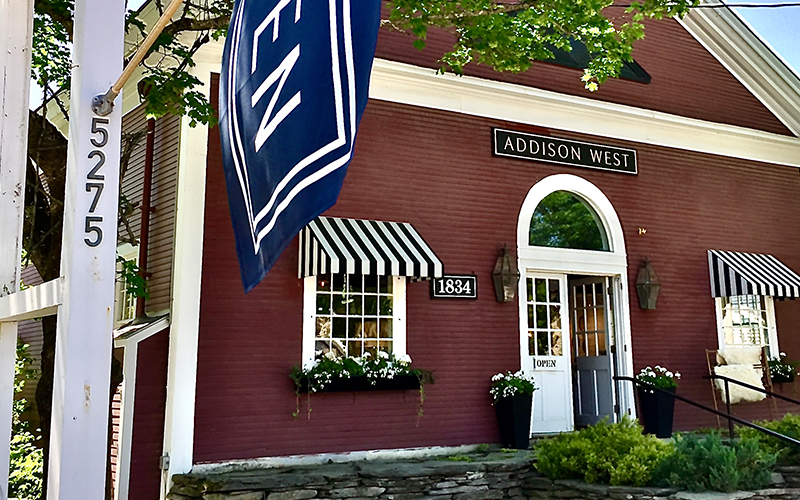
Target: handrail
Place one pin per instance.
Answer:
(731, 418)
(753, 388)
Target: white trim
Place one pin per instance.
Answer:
(34, 302)
(16, 28)
(613, 263)
(324, 458)
(593, 197)
(752, 62)
(310, 317)
(187, 266)
(130, 345)
(406, 84)
(128, 390)
(399, 310)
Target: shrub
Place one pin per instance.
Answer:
(789, 426)
(617, 454)
(27, 460)
(701, 463)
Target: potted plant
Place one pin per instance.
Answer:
(512, 397)
(782, 370)
(655, 407)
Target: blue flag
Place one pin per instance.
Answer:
(293, 87)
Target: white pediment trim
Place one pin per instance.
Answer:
(737, 47)
(416, 86)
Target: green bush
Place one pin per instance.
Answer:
(615, 454)
(701, 463)
(27, 460)
(789, 425)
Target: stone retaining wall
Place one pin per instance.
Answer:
(495, 476)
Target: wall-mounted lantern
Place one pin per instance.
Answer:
(647, 285)
(505, 277)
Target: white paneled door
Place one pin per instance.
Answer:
(546, 350)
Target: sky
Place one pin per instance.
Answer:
(779, 27)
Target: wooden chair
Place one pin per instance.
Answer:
(713, 359)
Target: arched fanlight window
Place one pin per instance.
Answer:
(563, 220)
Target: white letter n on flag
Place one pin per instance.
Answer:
(285, 163)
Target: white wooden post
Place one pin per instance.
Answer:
(16, 27)
(79, 430)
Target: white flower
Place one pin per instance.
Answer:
(330, 355)
(405, 358)
(382, 354)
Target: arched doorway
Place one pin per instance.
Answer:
(573, 302)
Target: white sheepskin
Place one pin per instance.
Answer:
(741, 355)
(743, 373)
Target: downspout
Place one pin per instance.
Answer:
(144, 231)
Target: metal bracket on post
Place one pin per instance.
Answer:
(103, 104)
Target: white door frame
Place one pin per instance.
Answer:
(613, 263)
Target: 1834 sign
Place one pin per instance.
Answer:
(454, 287)
(563, 151)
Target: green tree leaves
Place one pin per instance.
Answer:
(509, 36)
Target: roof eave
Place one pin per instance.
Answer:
(750, 60)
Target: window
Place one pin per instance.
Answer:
(352, 314)
(563, 220)
(124, 302)
(544, 316)
(747, 321)
(579, 57)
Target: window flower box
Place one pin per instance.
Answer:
(365, 373)
(363, 383)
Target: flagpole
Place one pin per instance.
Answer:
(103, 104)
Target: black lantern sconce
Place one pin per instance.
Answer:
(505, 277)
(647, 285)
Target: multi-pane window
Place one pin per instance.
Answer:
(356, 314)
(124, 301)
(544, 317)
(589, 322)
(747, 320)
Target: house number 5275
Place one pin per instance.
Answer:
(95, 182)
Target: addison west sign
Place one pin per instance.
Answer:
(563, 151)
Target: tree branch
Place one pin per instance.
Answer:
(58, 11)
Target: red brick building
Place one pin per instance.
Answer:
(713, 135)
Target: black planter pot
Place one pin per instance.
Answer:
(514, 419)
(655, 411)
(351, 384)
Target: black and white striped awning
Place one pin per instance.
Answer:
(736, 273)
(333, 245)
